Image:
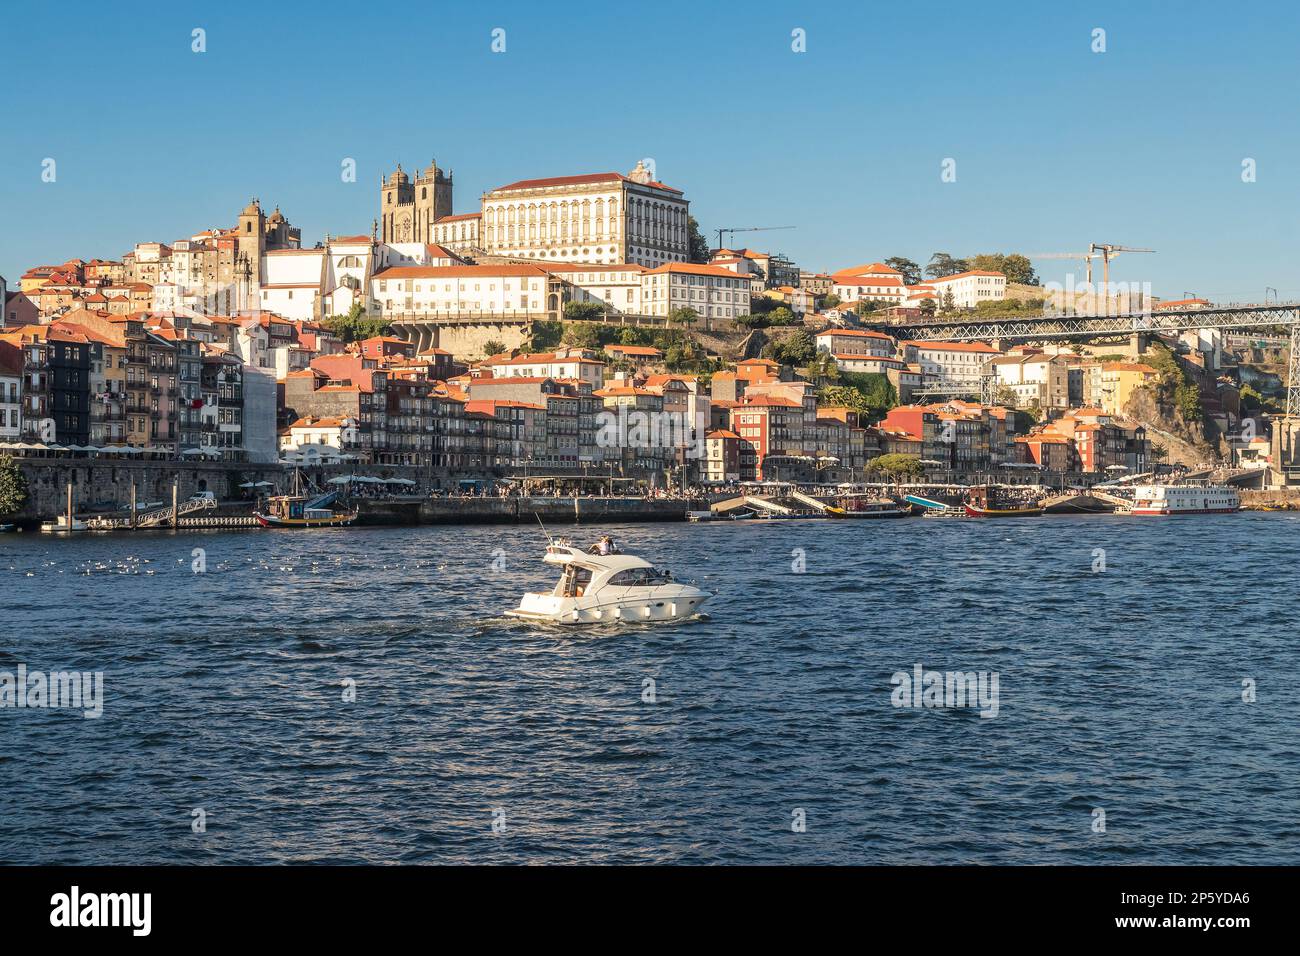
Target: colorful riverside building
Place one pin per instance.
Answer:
(1102, 443)
(11, 391)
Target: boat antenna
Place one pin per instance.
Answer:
(549, 539)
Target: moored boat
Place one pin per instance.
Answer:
(984, 502)
(1025, 511)
(300, 510)
(62, 525)
(858, 506)
(1149, 500)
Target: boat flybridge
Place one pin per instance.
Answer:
(605, 588)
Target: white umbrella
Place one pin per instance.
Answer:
(264, 484)
(248, 484)
(340, 480)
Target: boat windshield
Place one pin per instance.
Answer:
(641, 577)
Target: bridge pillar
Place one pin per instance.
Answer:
(1137, 342)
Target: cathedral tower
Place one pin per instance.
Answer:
(409, 210)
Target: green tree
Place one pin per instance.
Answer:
(684, 316)
(544, 335)
(493, 347)
(868, 393)
(911, 270)
(1014, 266)
(942, 264)
(356, 326)
(1174, 384)
(583, 311)
(798, 349)
(896, 466)
(830, 301)
(13, 487)
(581, 335)
(699, 246)
(1018, 268)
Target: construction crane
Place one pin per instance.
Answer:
(1087, 258)
(1109, 251)
(1105, 251)
(749, 229)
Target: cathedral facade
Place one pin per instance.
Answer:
(408, 209)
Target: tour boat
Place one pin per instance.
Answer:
(1019, 511)
(296, 511)
(858, 506)
(983, 503)
(1184, 500)
(608, 588)
(302, 510)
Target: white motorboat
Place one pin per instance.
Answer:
(605, 588)
(63, 525)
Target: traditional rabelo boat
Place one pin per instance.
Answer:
(303, 509)
(983, 502)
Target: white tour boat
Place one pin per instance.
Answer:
(606, 588)
(1184, 500)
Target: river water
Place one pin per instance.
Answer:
(766, 733)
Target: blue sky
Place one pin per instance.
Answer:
(1055, 146)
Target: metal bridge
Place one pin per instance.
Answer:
(1164, 321)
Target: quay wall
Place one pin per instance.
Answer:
(558, 511)
(1286, 499)
(104, 484)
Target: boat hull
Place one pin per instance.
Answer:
(334, 521)
(975, 511)
(883, 513)
(1168, 513)
(547, 608)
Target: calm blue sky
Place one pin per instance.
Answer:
(1055, 146)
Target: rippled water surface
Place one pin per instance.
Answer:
(1119, 690)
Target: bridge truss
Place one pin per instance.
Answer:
(1170, 321)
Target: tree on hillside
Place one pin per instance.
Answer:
(581, 335)
(871, 394)
(355, 326)
(13, 487)
(699, 246)
(1014, 266)
(493, 347)
(942, 264)
(1018, 268)
(911, 270)
(782, 316)
(583, 311)
(544, 335)
(798, 349)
